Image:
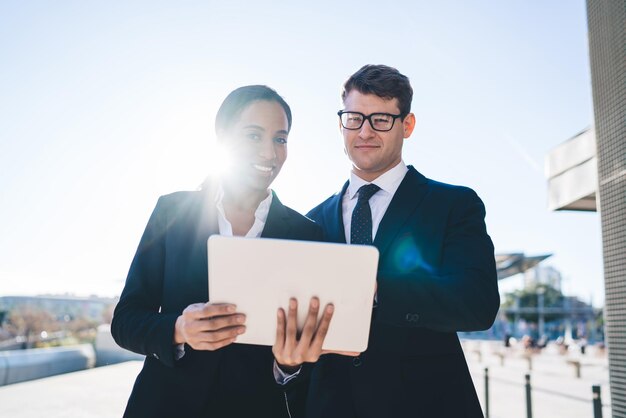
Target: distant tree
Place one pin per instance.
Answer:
(107, 314)
(29, 322)
(529, 298)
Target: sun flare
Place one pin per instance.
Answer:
(220, 160)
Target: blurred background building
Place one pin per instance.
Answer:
(588, 173)
(607, 40)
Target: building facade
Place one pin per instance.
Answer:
(607, 50)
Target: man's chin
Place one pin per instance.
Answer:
(363, 168)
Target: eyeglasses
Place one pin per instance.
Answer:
(382, 122)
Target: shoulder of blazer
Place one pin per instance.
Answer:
(451, 193)
(181, 202)
(300, 223)
(182, 198)
(322, 210)
(184, 207)
(443, 191)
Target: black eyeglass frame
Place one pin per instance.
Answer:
(369, 119)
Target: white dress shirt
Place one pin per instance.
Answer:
(379, 202)
(260, 216)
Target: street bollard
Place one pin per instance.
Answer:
(501, 357)
(529, 359)
(486, 392)
(529, 406)
(576, 365)
(597, 401)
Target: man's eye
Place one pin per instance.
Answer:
(253, 136)
(280, 140)
(381, 119)
(355, 119)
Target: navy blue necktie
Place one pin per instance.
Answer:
(361, 226)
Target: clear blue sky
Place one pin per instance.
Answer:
(104, 106)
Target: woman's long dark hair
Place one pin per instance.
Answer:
(239, 99)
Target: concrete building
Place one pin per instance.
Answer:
(547, 275)
(607, 38)
(572, 172)
(588, 172)
(510, 264)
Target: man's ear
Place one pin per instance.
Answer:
(408, 124)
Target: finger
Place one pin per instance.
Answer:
(223, 334)
(280, 331)
(207, 310)
(212, 346)
(218, 309)
(218, 322)
(193, 307)
(322, 328)
(310, 323)
(292, 325)
(342, 353)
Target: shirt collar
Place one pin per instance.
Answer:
(388, 182)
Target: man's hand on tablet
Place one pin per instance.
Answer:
(290, 349)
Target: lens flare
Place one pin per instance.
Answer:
(220, 161)
(407, 256)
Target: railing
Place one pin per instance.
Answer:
(22, 365)
(596, 397)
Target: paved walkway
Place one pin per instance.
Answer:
(93, 393)
(102, 392)
(556, 391)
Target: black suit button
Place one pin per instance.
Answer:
(412, 317)
(356, 361)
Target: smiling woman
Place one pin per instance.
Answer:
(192, 367)
(257, 145)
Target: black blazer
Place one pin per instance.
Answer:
(436, 276)
(168, 273)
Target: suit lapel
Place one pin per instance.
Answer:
(336, 232)
(207, 222)
(404, 203)
(207, 226)
(277, 224)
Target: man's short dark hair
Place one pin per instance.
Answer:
(382, 81)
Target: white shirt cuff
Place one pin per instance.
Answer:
(281, 377)
(179, 351)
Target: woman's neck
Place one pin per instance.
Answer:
(240, 205)
(242, 198)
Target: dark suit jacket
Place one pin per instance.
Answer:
(168, 273)
(436, 276)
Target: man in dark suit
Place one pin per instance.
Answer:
(436, 273)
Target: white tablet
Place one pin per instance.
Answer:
(261, 275)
